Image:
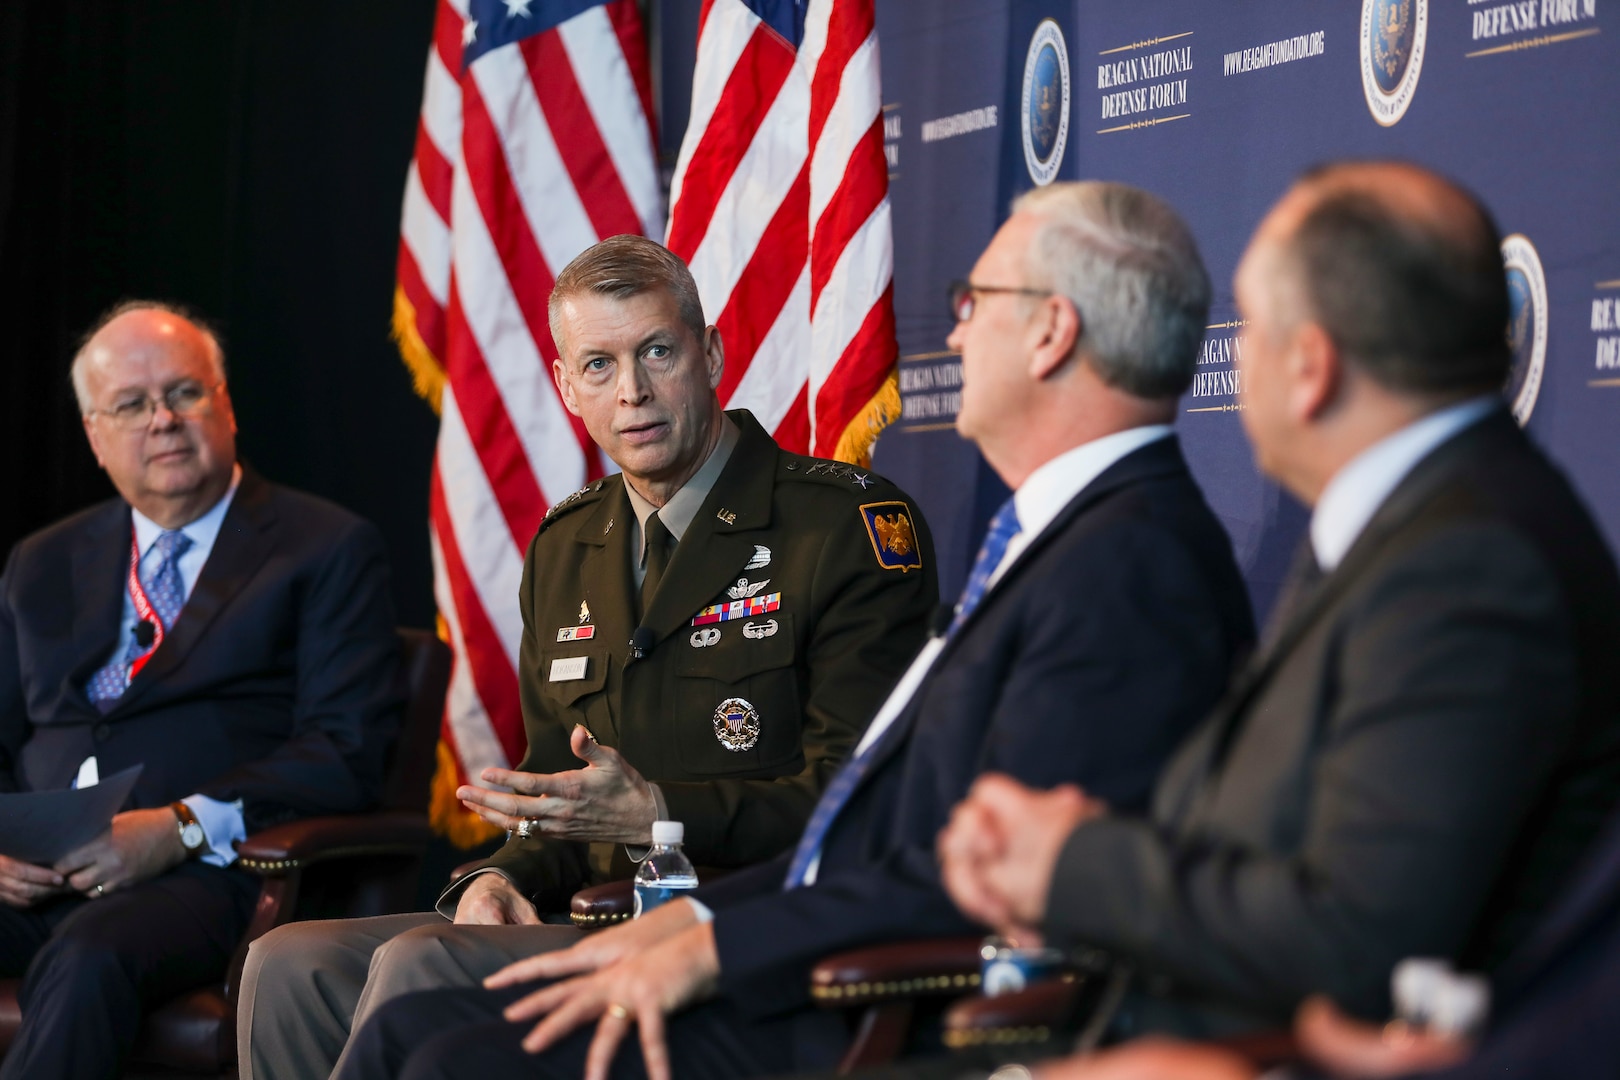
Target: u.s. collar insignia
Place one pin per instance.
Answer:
(760, 559)
(736, 724)
(744, 588)
(894, 541)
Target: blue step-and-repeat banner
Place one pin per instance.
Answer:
(1216, 106)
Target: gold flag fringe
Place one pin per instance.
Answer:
(855, 444)
(427, 374)
(448, 817)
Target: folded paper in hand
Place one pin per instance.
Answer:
(42, 826)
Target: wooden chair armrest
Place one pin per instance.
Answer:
(934, 967)
(283, 849)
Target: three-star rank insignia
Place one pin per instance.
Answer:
(894, 540)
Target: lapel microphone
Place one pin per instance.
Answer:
(642, 639)
(144, 633)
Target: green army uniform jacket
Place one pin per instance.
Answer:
(790, 607)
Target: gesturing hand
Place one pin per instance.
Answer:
(608, 800)
(998, 851)
(24, 884)
(642, 988)
(138, 845)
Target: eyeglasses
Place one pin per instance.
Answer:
(184, 400)
(960, 295)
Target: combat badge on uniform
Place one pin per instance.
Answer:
(736, 724)
(584, 631)
(894, 541)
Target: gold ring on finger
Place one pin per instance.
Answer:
(618, 1012)
(525, 829)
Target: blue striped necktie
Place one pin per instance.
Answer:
(167, 593)
(1003, 527)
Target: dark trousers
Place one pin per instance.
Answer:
(460, 1033)
(90, 967)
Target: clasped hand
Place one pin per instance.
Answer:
(608, 800)
(999, 850)
(137, 845)
(648, 969)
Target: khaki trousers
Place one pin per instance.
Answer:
(307, 985)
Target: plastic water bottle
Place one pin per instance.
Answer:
(667, 873)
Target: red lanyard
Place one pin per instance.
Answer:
(143, 606)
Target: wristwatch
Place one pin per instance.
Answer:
(191, 830)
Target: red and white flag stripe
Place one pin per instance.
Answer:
(521, 163)
(780, 205)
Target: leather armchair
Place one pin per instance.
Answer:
(887, 981)
(354, 865)
(601, 906)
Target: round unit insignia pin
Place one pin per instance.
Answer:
(1044, 108)
(1527, 324)
(736, 724)
(1393, 34)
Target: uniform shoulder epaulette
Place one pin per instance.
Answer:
(583, 497)
(837, 473)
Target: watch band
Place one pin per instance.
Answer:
(192, 836)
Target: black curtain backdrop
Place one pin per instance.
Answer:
(245, 158)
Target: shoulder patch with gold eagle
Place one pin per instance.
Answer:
(894, 539)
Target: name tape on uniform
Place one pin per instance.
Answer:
(568, 668)
(738, 609)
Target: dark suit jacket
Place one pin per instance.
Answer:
(1101, 646)
(850, 618)
(1411, 769)
(276, 686)
(1556, 1008)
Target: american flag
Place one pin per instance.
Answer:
(535, 141)
(780, 204)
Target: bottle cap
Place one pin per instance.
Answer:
(668, 832)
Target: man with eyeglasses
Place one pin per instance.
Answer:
(1098, 625)
(231, 637)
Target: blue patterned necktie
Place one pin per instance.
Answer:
(1003, 527)
(167, 593)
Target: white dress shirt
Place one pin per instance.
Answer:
(1357, 490)
(221, 821)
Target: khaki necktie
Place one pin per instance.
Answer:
(659, 541)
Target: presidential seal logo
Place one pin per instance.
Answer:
(1527, 324)
(1045, 103)
(1393, 33)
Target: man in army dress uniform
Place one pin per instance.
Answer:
(708, 632)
